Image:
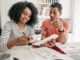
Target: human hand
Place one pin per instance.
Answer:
(58, 24)
(48, 44)
(23, 40)
(31, 39)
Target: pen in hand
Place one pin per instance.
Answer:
(26, 35)
(28, 38)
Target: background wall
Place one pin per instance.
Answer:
(76, 20)
(66, 13)
(0, 15)
(4, 10)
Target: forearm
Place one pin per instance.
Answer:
(42, 37)
(11, 43)
(63, 37)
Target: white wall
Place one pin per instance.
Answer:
(66, 4)
(5, 6)
(0, 19)
(76, 21)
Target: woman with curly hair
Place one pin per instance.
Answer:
(23, 17)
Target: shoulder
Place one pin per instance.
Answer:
(46, 21)
(65, 21)
(9, 22)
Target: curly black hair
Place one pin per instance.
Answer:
(58, 5)
(17, 8)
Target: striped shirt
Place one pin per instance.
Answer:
(11, 31)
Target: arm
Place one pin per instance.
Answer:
(12, 43)
(63, 37)
(44, 31)
(9, 43)
(64, 34)
(6, 34)
(18, 40)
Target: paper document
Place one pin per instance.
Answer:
(54, 36)
(45, 53)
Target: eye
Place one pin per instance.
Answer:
(54, 12)
(24, 13)
(50, 11)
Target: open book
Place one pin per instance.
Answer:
(38, 43)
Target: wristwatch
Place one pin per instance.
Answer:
(61, 30)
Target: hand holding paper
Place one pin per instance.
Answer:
(38, 43)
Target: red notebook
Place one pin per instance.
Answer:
(55, 48)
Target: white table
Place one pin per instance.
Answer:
(21, 52)
(28, 53)
(72, 49)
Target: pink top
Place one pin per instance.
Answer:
(47, 29)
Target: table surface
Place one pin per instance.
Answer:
(28, 53)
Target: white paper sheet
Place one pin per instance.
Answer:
(45, 53)
(54, 36)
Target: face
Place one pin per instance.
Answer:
(54, 13)
(25, 15)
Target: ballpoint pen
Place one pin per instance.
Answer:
(31, 41)
(28, 38)
(24, 34)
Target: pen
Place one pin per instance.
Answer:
(24, 34)
(28, 38)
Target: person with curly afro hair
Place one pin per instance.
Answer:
(19, 30)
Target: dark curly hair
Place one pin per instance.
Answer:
(16, 10)
(58, 5)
